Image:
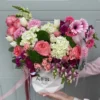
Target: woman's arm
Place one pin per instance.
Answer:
(92, 68)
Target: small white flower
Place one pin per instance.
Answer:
(14, 44)
(52, 38)
(34, 29)
(49, 27)
(9, 38)
(57, 22)
(23, 21)
(23, 42)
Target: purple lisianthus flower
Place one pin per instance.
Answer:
(73, 62)
(55, 60)
(29, 63)
(64, 27)
(17, 60)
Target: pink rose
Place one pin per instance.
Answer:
(11, 30)
(75, 53)
(43, 48)
(34, 22)
(19, 32)
(10, 20)
(17, 24)
(17, 51)
(26, 47)
(44, 62)
(90, 43)
(47, 67)
(69, 19)
(57, 33)
(36, 66)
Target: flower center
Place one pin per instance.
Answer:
(42, 46)
(75, 27)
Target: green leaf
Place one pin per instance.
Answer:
(14, 60)
(21, 9)
(71, 42)
(95, 45)
(18, 40)
(43, 35)
(34, 56)
(63, 80)
(11, 49)
(95, 36)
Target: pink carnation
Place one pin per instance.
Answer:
(34, 22)
(43, 48)
(69, 19)
(19, 32)
(90, 43)
(17, 24)
(10, 20)
(11, 30)
(26, 47)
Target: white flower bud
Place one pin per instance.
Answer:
(23, 22)
(9, 38)
(13, 43)
(57, 22)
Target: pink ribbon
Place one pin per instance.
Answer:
(18, 84)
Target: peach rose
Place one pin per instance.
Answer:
(17, 51)
(43, 48)
(75, 53)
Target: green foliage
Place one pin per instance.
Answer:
(34, 56)
(55, 73)
(18, 40)
(95, 36)
(11, 49)
(43, 35)
(71, 42)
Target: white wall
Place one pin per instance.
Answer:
(48, 10)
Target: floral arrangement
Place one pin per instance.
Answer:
(57, 47)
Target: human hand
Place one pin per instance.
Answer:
(58, 96)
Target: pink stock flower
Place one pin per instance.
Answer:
(76, 27)
(57, 33)
(69, 19)
(43, 48)
(34, 22)
(37, 66)
(26, 47)
(85, 24)
(17, 24)
(17, 51)
(10, 20)
(75, 53)
(49, 58)
(19, 32)
(90, 43)
(11, 30)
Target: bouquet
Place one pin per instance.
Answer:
(52, 52)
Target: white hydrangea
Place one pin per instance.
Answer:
(60, 47)
(34, 29)
(52, 38)
(49, 27)
(28, 37)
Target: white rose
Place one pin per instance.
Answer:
(23, 21)
(13, 44)
(9, 38)
(57, 22)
